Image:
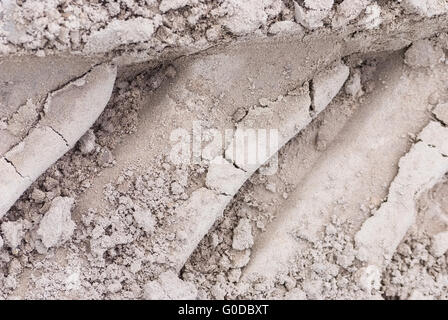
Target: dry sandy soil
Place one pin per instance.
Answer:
(223, 149)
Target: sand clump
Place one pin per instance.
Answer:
(13, 233)
(242, 235)
(56, 226)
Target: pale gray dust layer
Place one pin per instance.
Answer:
(223, 149)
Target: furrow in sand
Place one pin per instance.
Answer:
(71, 111)
(355, 170)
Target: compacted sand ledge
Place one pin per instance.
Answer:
(95, 98)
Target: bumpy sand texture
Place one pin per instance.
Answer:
(113, 184)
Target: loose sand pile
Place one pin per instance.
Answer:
(125, 132)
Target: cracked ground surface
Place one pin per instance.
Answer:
(198, 149)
